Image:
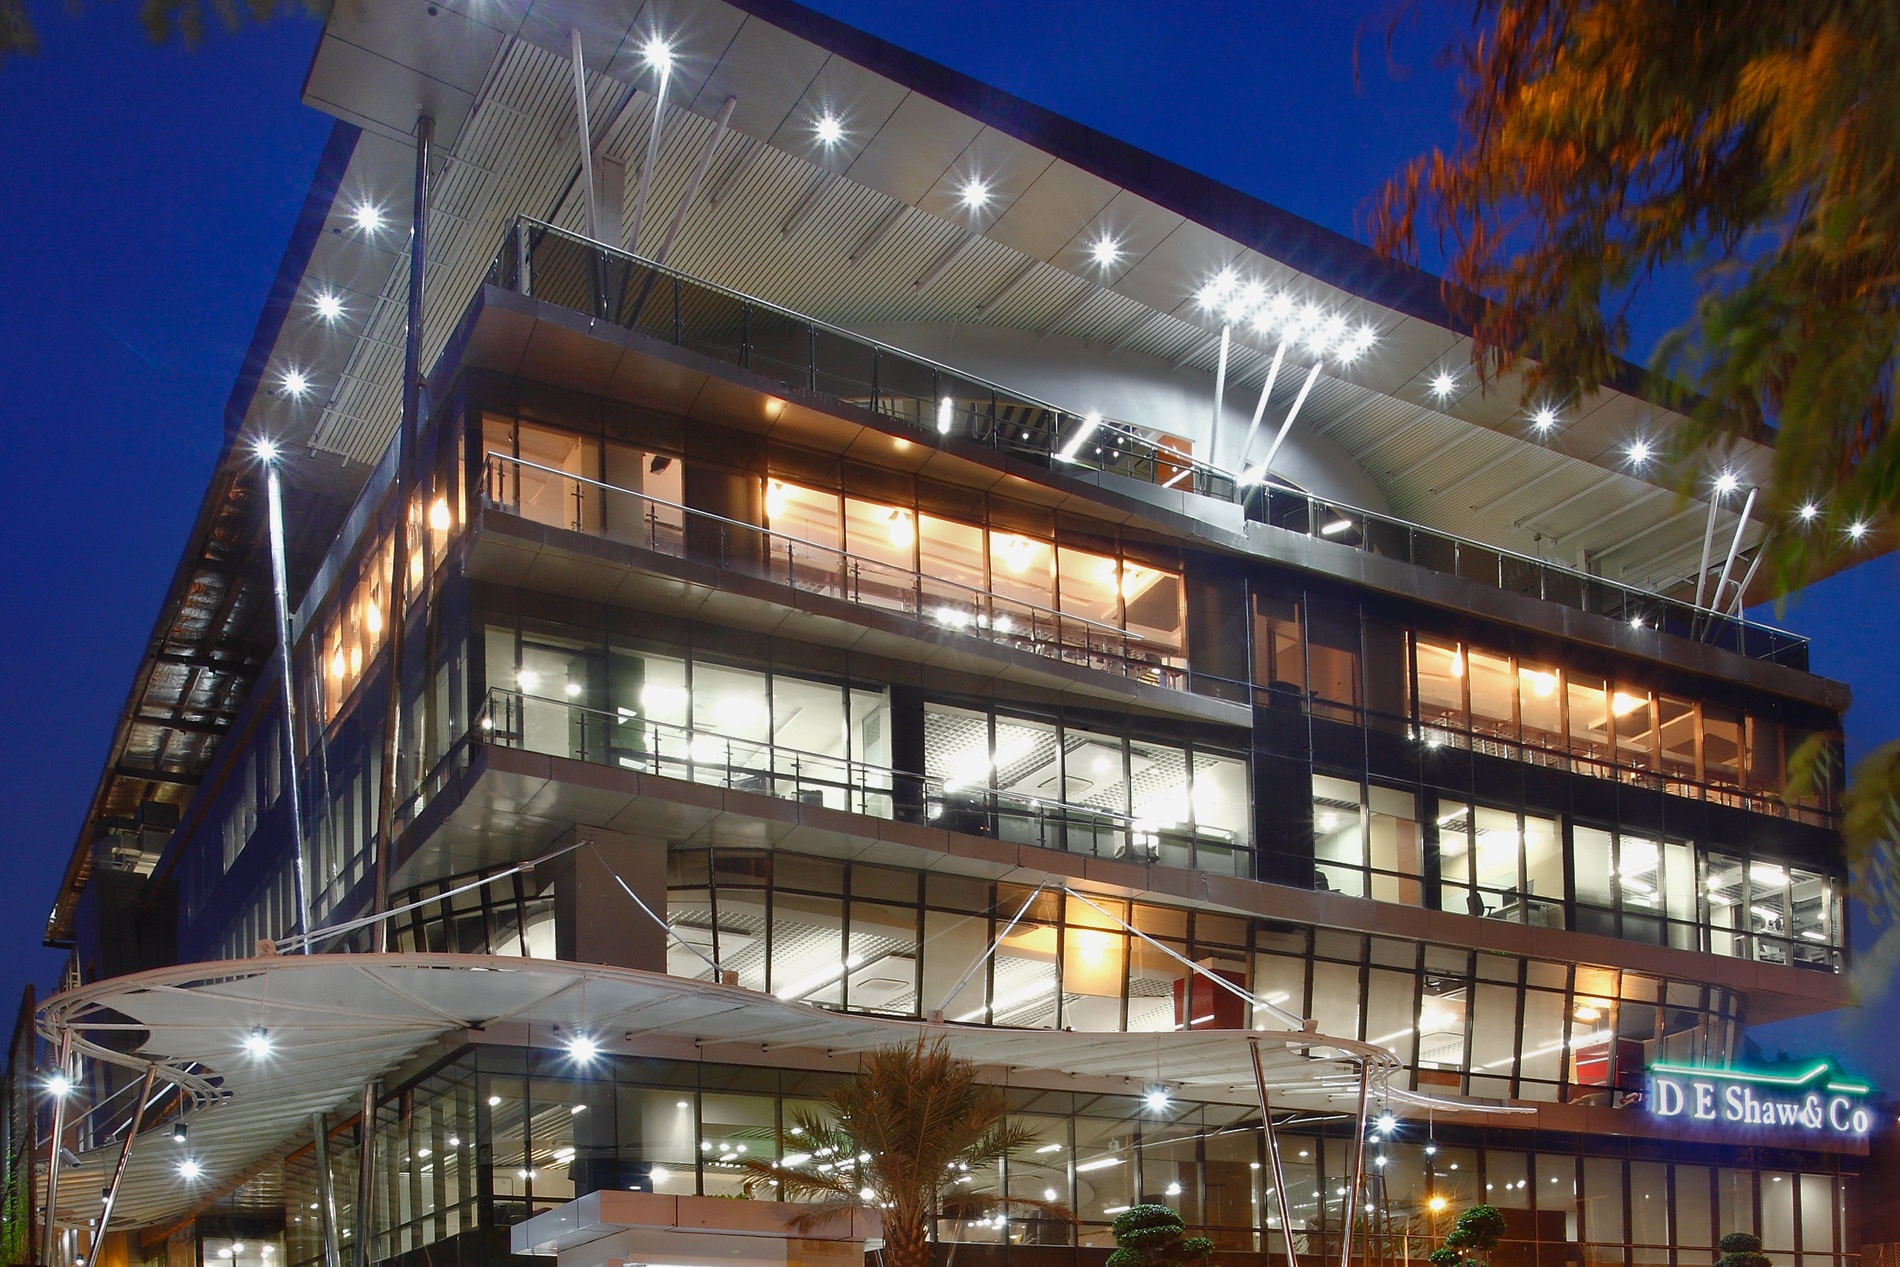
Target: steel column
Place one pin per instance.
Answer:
(1357, 1182)
(1734, 548)
(1266, 463)
(1220, 389)
(699, 176)
(652, 157)
(397, 623)
(1260, 407)
(588, 199)
(365, 1176)
(1708, 543)
(1273, 1154)
(51, 1222)
(280, 592)
(326, 1193)
(125, 1156)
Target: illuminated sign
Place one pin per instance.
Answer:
(1816, 1100)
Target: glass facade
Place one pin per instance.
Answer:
(1394, 754)
(494, 1134)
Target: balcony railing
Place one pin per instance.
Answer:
(637, 519)
(808, 357)
(625, 740)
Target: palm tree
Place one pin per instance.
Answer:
(898, 1139)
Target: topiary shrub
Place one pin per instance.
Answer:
(1155, 1236)
(1742, 1249)
(1482, 1226)
(1445, 1256)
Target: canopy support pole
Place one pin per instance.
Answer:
(1220, 390)
(326, 1193)
(1273, 1154)
(51, 1223)
(397, 622)
(365, 1175)
(287, 682)
(125, 1156)
(990, 950)
(1286, 424)
(1358, 1179)
(1734, 548)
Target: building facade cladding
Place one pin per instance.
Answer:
(1367, 747)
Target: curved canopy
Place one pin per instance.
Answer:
(262, 1044)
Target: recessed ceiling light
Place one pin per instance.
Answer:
(1444, 383)
(658, 54)
(328, 306)
(1544, 419)
(830, 128)
(368, 217)
(1105, 250)
(1809, 512)
(975, 193)
(1639, 452)
(296, 383)
(1726, 483)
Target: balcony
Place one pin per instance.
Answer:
(806, 357)
(575, 503)
(627, 741)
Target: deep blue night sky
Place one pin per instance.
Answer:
(148, 194)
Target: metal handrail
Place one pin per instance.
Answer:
(933, 792)
(819, 546)
(1112, 426)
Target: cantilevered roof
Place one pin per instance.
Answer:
(333, 1022)
(872, 232)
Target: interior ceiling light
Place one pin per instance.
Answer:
(265, 448)
(582, 1048)
(257, 1042)
(1444, 383)
(1544, 419)
(1809, 512)
(296, 383)
(1157, 1100)
(189, 1168)
(1857, 529)
(328, 306)
(975, 193)
(1726, 483)
(830, 128)
(368, 217)
(1639, 451)
(59, 1086)
(1105, 250)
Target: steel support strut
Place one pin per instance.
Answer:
(280, 596)
(125, 1156)
(365, 1176)
(1357, 1182)
(1273, 1155)
(51, 1222)
(326, 1193)
(398, 621)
